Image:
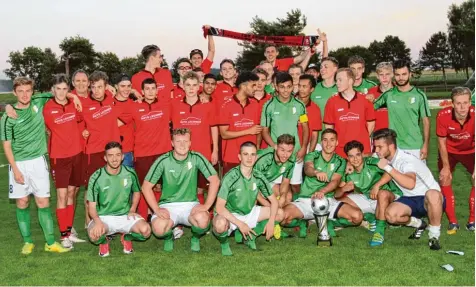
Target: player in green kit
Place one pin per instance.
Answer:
(179, 202)
(235, 206)
(24, 142)
(323, 171)
(367, 182)
(327, 87)
(362, 85)
(407, 106)
(113, 196)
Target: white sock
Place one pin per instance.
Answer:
(434, 231)
(414, 222)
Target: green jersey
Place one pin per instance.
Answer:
(240, 192)
(112, 192)
(322, 94)
(365, 86)
(405, 111)
(27, 133)
(282, 118)
(336, 165)
(270, 168)
(269, 89)
(179, 177)
(368, 177)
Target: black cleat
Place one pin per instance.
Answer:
(434, 244)
(418, 231)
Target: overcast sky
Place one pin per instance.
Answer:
(124, 27)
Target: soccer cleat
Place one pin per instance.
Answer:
(452, 228)
(104, 249)
(377, 240)
(56, 247)
(127, 245)
(74, 238)
(74, 232)
(470, 226)
(277, 231)
(418, 231)
(27, 248)
(434, 244)
(66, 242)
(251, 243)
(178, 232)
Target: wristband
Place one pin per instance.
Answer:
(388, 168)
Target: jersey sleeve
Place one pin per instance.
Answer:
(93, 187)
(204, 166)
(369, 111)
(316, 120)
(303, 115)
(266, 115)
(289, 172)
(409, 167)
(206, 66)
(441, 130)
(41, 99)
(224, 187)
(340, 169)
(424, 108)
(328, 113)
(6, 128)
(264, 186)
(156, 170)
(136, 186)
(381, 101)
(310, 156)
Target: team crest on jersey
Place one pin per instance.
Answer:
(365, 91)
(294, 110)
(282, 169)
(411, 100)
(35, 108)
(254, 186)
(124, 182)
(189, 165)
(332, 166)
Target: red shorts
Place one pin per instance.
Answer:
(227, 166)
(67, 171)
(143, 164)
(467, 160)
(202, 181)
(94, 162)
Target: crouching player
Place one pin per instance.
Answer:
(179, 202)
(368, 183)
(421, 193)
(109, 203)
(235, 206)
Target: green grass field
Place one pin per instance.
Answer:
(292, 261)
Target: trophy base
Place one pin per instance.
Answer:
(324, 243)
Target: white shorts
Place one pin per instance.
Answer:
(297, 173)
(118, 223)
(251, 219)
(365, 204)
(415, 152)
(304, 205)
(37, 179)
(179, 211)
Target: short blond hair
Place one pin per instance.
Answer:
(22, 81)
(181, 132)
(190, 76)
(384, 66)
(348, 71)
(459, 91)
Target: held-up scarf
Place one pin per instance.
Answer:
(278, 40)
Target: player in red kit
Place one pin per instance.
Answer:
(183, 66)
(196, 55)
(455, 131)
(307, 83)
(209, 86)
(226, 89)
(385, 77)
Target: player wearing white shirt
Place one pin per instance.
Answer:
(421, 193)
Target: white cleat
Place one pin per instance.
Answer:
(66, 243)
(74, 238)
(74, 232)
(178, 232)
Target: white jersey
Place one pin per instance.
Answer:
(406, 162)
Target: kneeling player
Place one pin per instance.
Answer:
(368, 183)
(421, 193)
(109, 204)
(179, 202)
(236, 207)
(323, 171)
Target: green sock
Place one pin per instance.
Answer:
(294, 223)
(46, 223)
(23, 219)
(330, 227)
(134, 236)
(224, 244)
(168, 238)
(381, 224)
(259, 229)
(344, 222)
(369, 217)
(197, 233)
(101, 240)
(303, 229)
(238, 236)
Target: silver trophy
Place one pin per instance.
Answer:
(320, 208)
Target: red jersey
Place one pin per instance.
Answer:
(81, 124)
(62, 121)
(283, 64)
(162, 77)
(314, 120)
(459, 138)
(238, 118)
(152, 136)
(350, 120)
(178, 92)
(126, 131)
(223, 93)
(206, 66)
(381, 115)
(198, 118)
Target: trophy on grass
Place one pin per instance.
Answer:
(320, 208)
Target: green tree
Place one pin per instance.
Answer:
(78, 53)
(132, 65)
(253, 53)
(436, 54)
(34, 63)
(461, 35)
(390, 49)
(343, 54)
(109, 63)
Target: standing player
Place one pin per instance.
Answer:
(313, 70)
(261, 98)
(24, 144)
(295, 71)
(183, 67)
(349, 113)
(110, 192)
(209, 86)
(385, 77)
(268, 68)
(178, 204)
(407, 106)
(327, 88)
(66, 156)
(306, 87)
(196, 55)
(357, 64)
(239, 120)
(455, 131)
(235, 206)
(421, 193)
(226, 89)
(281, 115)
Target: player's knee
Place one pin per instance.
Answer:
(23, 203)
(391, 216)
(357, 217)
(159, 227)
(434, 197)
(202, 219)
(42, 202)
(383, 195)
(220, 224)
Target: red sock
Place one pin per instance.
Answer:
(201, 198)
(61, 215)
(450, 203)
(471, 205)
(70, 216)
(158, 194)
